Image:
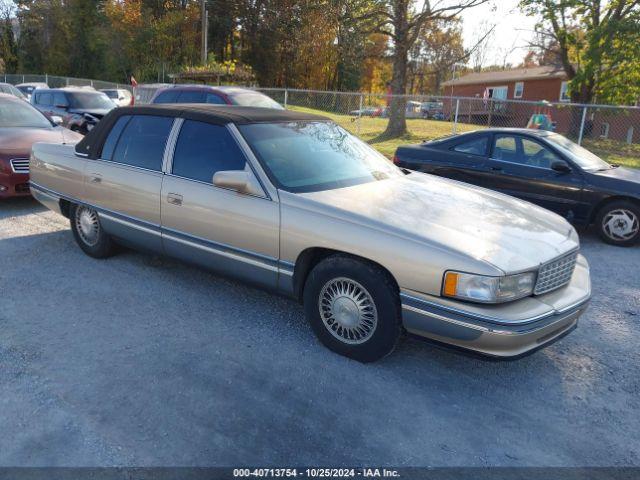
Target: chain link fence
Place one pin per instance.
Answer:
(610, 132)
(54, 81)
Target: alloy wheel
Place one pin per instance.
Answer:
(87, 225)
(620, 224)
(348, 311)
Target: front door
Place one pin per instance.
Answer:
(233, 233)
(521, 166)
(124, 184)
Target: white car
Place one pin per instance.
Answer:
(120, 96)
(28, 88)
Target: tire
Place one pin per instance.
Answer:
(88, 232)
(367, 330)
(618, 223)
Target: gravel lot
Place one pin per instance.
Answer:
(140, 360)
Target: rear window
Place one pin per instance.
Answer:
(254, 99)
(477, 146)
(142, 142)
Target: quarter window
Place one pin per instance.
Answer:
(477, 146)
(143, 141)
(204, 149)
(113, 137)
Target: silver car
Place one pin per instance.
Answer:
(294, 203)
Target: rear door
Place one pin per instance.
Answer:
(231, 232)
(125, 183)
(521, 166)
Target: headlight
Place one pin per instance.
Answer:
(484, 289)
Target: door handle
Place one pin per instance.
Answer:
(95, 178)
(495, 169)
(174, 199)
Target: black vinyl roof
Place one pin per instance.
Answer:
(222, 114)
(91, 144)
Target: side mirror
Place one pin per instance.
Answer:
(120, 98)
(560, 167)
(56, 119)
(241, 181)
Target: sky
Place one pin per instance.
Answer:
(512, 30)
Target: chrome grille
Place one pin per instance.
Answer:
(20, 165)
(555, 274)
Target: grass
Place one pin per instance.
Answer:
(369, 129)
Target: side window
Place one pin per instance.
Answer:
(113, 137)
(44, 99)
(168, 96)
(505, 148)
(204, 149)
(60, 99)
(536, 154)
(477, 146)
(215, 99)
(191, 96)
(142, 142)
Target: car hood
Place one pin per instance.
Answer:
(20, 139)
(96, 112)
(620, 173)
(508, 233)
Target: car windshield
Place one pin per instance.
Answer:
(580, 155)
(93, 100)
(311, 156)
(254, 99)
(111, 93)
(21, 114)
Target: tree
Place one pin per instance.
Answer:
(437, 49)
(8, 46)
(403, 24)
(596, 42)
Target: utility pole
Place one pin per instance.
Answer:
(205, 29)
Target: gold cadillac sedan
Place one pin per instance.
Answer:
(294, 203)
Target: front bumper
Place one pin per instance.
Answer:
(14, 185)
(507, 330)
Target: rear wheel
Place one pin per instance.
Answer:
(619, 223)
(353, 308)
(88, 232)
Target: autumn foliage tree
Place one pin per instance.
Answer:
(596, 42)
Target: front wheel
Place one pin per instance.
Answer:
(353, 308)
(88, 232)
(619, 223)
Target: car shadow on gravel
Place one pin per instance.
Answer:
(18, 206)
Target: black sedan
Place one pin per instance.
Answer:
(541, 167)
